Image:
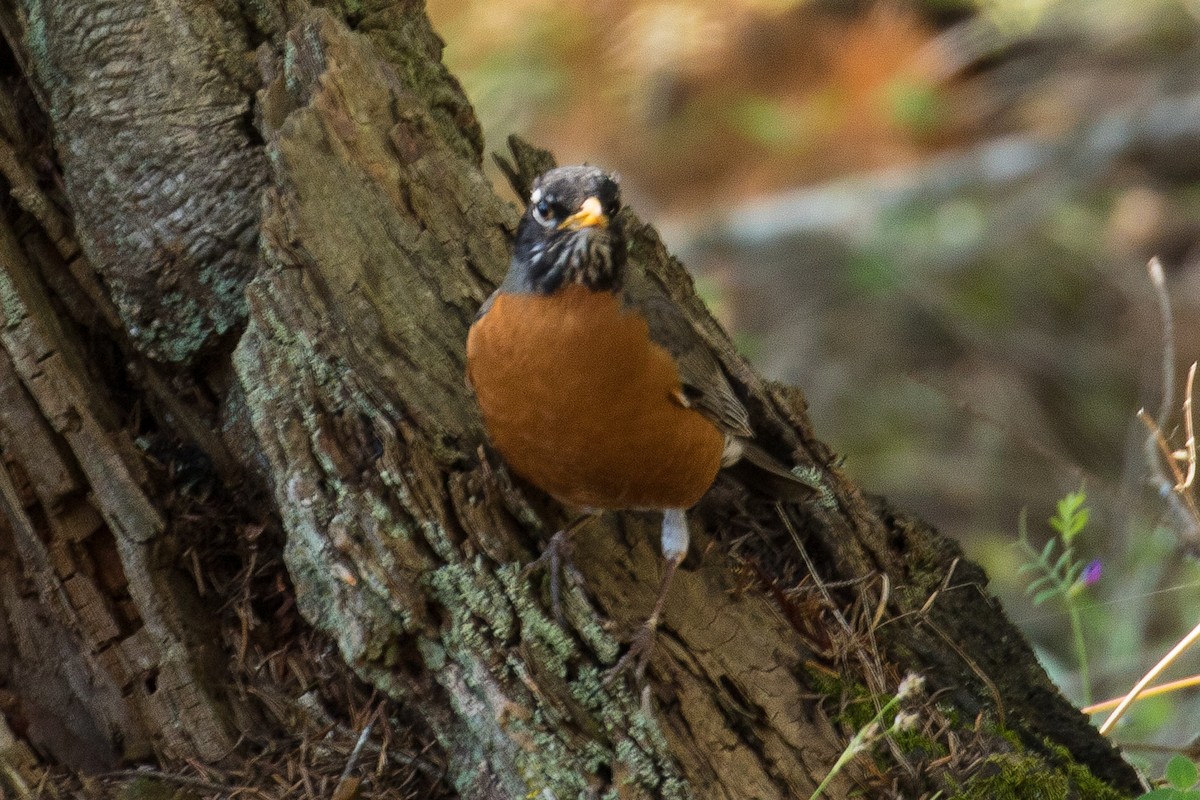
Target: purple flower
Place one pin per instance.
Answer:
(1091, 573)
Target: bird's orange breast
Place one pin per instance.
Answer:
(581, 403)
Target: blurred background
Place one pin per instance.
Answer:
(934, 216)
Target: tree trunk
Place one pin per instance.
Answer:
(252, 535)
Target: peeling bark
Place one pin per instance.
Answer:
(86, 491)
(329, 406)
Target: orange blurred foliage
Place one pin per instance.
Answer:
(703, 99)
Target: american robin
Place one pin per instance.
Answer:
(595, 387)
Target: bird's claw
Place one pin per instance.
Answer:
(641, 646)
(637, 657)
(554, 558)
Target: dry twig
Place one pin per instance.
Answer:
(1148, 678)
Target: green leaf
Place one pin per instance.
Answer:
(1077, 524)
(1063, 560)
(1040, 583)
(1046, 551)
(1065, 507)
(1181, 772)
(1162, 794)
(1070, 503)
(767, 122)
(1071, 515)
(1045, 594)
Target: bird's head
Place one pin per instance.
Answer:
(570, 233)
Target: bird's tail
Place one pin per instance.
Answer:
(762, 472)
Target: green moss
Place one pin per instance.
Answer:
(825, 683)
(1081, 777)
(854, 697)
(1012, 777)
(1029, 777)
(1010, 736)
(860, 708)
(913, 742)
(1089, 785)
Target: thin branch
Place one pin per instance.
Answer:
(358, 747)
(1164, 447)
(1190, 445)
(1158, 280)
(1153, 691)
(1149, 677)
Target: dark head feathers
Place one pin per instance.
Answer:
(569, 233)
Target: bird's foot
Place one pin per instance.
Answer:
(637, 657)
(556, 558)
(641, 646)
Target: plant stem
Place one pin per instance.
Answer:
(856, 746)
(1080, 652)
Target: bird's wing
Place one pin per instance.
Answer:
(705, 387)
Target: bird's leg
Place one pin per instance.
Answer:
(674, 549)
(556, 553)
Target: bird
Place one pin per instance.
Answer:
(593, 385)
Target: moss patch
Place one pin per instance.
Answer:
(1027, 777)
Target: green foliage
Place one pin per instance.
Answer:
(885, 722)
(872, 272)
(1058, 574)
(1181, 772)
(1182, 777)
(1071, 516)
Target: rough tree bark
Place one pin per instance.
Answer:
(239, 252)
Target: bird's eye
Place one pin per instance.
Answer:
(543, 212)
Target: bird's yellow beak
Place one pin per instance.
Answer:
(589, 215)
